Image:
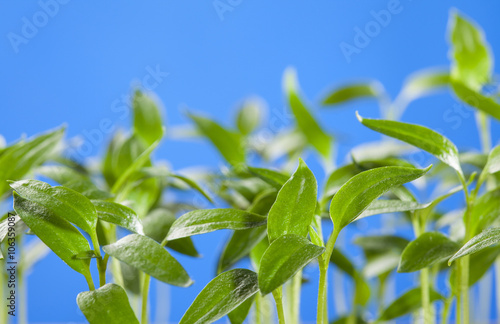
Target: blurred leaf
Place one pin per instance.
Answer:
(119, 215)
(17, 160)
(208, 220)
(157, 224)
(379, 244)
(470, 53)
(426, 250)
(228, 143)
(147, 118)
(423, 82)
(283, 259)
(407, 303)
(486, 211)
(250, 116)
(293, 210)
(150, 257)
(353, 91)
(357, 194)
(272, 177)
(257, 252)
(479, 242)
(476, 100)
(106, 305)
(58, 234)
(313, 132)
(419, 136)
(221, 296)
(385, 206)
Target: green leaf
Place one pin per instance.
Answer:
(493, 162)
(313, 132)
(228, 143)
(470, 53)
(19, 159)
(208, 220)
(119, 215)
(250, 116)
(380, 244)
(486, 211)
(353, 91)
(479, 242)
(240, 313)
(293, 211)
(157, 224)
(407, 303)
(419, 136)
(426, 250)
(58, 234)
(221, 296)
(385, 206)
(357, 194)
(283, 259)
(106, 305)
(341, 261)
(240, 245)
(258, 251)
(423, 82)
(346, 320)
(73, 179)
(272, 177)
(147, 118)
(150, 257)
(63, 202)
(476, 99)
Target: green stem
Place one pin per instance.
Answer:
(145, 293)
(464, 280)
(90, 282)
(293, 298)
(102, 265)
(483, 123)
(426, 301)
(324, 261)
(446, 310)
(258, 308)
(458, 307)
(277, 294)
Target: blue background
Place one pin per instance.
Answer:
(80, 63)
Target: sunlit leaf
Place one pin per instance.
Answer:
(481, 241)
(119, 215)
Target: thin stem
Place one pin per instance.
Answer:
(145, 293)
(293, 290)
(258, 308)
(458, 307)
(90, 282)
(446, 310)
(483, 123)
(426, 302)
(102, 265)
(324, 261)
(277, 294)
(464, 279)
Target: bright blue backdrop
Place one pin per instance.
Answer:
(75, 65)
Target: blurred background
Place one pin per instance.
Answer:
(75, 63)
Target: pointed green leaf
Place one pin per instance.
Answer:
(313, 132)
(208, 220)
(419, 136)
(157, 224)
(283, 259)
(150, 257)
(147, 118)
(354, 91)
(470, 53)
(293, 211)
(106, 305)
(228, 143)
(426, 250)
(17, 160)
(407, 303)
(58, 234)
(221, 296)
(63, 202)
(479, 242)
(357, 194)
(119, 215)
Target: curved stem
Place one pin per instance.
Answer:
(279, 305)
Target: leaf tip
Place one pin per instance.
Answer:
(358, 116)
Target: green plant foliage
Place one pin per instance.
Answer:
(106, 305)
(221, 296)
(407, 303)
